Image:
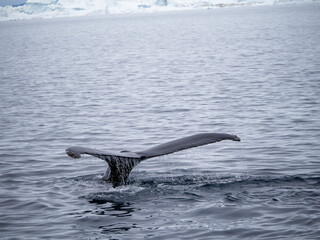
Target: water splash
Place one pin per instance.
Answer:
(119, 169)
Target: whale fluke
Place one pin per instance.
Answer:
(121, 163)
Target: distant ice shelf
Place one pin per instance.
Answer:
(66, 8)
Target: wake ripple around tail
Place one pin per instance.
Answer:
(242, 189)
(201, 181)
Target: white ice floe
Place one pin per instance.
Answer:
(67, 8)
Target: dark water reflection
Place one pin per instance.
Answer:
(207, 208)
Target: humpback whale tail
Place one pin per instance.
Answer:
(121, 163)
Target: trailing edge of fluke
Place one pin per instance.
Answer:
(121, 163)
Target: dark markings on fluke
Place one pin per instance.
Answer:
(121, 163)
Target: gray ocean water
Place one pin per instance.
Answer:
(129, 82)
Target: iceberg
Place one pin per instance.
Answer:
(66, 8)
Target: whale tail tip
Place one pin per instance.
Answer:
(236, 138)
(72, 153)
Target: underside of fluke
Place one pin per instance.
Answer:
(121, 163)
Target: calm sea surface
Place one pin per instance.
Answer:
(129, 82)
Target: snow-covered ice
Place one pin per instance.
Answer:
(67, 8)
